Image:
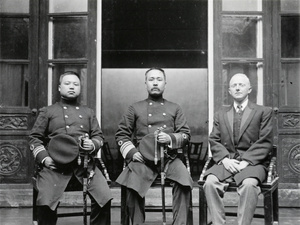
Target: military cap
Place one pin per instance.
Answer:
(63, 149)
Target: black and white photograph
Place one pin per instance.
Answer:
(147, 112)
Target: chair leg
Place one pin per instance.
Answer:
(202, 207)
(268, 208)
(124, 215)
(190, 219)
(191, 168)
(275, 205)
(34, 206)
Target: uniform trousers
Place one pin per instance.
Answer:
(248, 193)
(181, 205)
(99, 215)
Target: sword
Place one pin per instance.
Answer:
(155, 144)
(162, 177)
(85, 177)
(85, 184)
(162, 172)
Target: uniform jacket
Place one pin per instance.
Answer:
(74, 120)
(254, 142)
(142, 118)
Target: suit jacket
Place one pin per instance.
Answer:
(255, 141)
(142, 118)
(74, 120)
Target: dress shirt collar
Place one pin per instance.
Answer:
(243, 105)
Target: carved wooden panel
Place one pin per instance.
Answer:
(15, 161)
(289, 158)
(289, 121)
(13, 122)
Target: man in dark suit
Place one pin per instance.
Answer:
(54, 142)
(240, 142)
(135, 135)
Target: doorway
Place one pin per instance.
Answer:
(138, 35)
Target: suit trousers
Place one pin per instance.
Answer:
(99, 215)
(181, 205)
(248, 193)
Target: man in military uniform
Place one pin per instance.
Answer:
(54, 142)
(144, 118)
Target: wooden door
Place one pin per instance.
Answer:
(286, 89)
(18, 83)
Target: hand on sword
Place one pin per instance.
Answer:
(87, 145)
(163, 138)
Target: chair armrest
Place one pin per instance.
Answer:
(103, 170)
(204, 169)
(272, 173)
(33, 182)
(186, 157)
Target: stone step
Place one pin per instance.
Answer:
(21, 196)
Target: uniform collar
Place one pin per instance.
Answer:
(73, 102)
(155, 99)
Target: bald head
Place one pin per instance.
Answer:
(239, 76)
(239, 87)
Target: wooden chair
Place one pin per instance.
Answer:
(107, 156)
(196, 155)
(182, 154)
(108, 159)
(269, 189)
(73, 186)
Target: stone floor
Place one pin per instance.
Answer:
(22, 216)
(15, 206)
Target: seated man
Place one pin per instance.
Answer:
(142, 120)
(240, 142)
(54, 141)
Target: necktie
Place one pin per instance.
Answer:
(239, 109)
(237, 123)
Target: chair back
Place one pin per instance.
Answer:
(195, 150)
(107, 156)
(272, 168)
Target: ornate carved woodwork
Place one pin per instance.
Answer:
(15, 161)
(8, 122)
(289, 121)
(289, 156)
